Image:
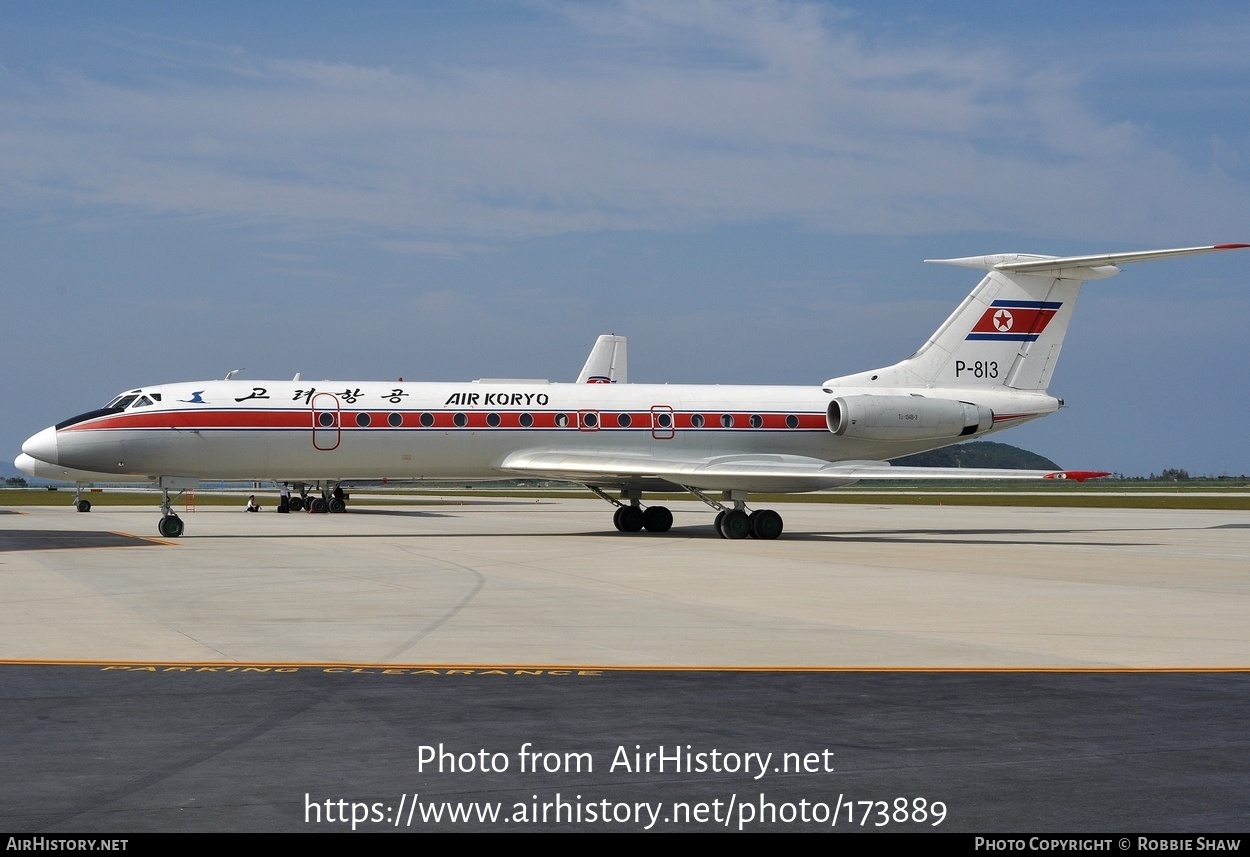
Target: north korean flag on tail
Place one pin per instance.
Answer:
(1016, 321)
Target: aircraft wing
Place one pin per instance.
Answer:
(748, 472)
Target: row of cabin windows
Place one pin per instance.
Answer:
(663, 419)
(590, 419)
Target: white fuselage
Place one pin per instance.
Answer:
(286, 430)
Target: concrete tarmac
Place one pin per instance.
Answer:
(97, 749)
(288, 672)
(517, 581)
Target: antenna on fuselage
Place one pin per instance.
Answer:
(232, 373)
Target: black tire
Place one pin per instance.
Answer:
(657, 519)
(297, 504)
(320, 506)
(720, 516)
(616, 519)
(735, 525)
(631, 519)
(84, 505)
(337, 506)
(170, 527)
(766, 524)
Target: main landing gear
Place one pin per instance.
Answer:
(731, 522)
(633, 517)
(330, 500)
(737, 523)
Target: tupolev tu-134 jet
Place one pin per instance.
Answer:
(986, 368)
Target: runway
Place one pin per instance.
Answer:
(1029, 670)
(524, 582)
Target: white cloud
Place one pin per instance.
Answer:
(666, 116)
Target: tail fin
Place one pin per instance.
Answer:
(1010, 330)
(607, 361)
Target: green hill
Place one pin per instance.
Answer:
(980, 453)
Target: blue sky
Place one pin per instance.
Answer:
(447, 191)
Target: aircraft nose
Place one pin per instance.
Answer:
(42, 446)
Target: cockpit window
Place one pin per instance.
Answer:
(142, 402)
(121, 402)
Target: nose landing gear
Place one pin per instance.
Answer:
(170, 525)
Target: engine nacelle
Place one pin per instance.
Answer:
(906, 418)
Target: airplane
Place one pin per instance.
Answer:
(606, 364)
(986, 368)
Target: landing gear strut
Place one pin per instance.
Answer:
(79, 503)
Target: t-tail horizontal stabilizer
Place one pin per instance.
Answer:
(1010, 330)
